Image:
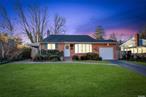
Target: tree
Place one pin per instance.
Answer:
(6, 30)
(35, 26)
(5, 46)
(99, 32)
(33, 22)
(113, 36)
(58, 26)
(6, 23)
(59, 23)
(143, 33)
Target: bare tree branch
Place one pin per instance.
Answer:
(5, 31)
(7, 23)
(59, 23)
(36, 27)
(113, 36)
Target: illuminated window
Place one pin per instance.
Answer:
(134, 50)
(140, 50)
(83, 48)
(76, 48)
(144, 49)
(80, 48)
(88, 47)
(51, 46)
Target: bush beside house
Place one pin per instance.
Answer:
(87, 56)
(48, 55)
(75, 57)
(22, 54)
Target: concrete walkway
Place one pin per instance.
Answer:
(63, 62)
(132, 66)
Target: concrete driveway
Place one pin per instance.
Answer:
(132, 66)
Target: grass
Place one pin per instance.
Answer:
(69, 80)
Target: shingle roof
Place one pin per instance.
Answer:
(72, 38)
(105, 40)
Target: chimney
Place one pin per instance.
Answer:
(136, 39)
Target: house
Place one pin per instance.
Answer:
(135, 45)
(80, 44)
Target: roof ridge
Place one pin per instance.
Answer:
(72, 35)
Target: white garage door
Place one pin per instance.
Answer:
(106, 53)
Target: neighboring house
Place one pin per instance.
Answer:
(80, 44)
(135, 45)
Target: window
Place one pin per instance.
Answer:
(135, 50)
(139, 50)
(51, 46)
(144, 49)
(83, 48)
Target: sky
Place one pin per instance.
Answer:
(123, 17)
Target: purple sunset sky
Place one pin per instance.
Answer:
(83, 16)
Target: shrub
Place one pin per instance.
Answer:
(127, 55)
(83, 57)
(56, 53)
(17, 54)
(93, 56)
(75, 57)
(21, 54)
(88, 56)
(3, 60)
(54, 58)
(26, 53)
(100, 59)
(51, 55)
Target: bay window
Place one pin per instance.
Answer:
(83, 48)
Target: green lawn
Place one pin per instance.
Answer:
(69, 80)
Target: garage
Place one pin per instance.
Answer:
(107, 53)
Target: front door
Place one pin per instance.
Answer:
(67, 50)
